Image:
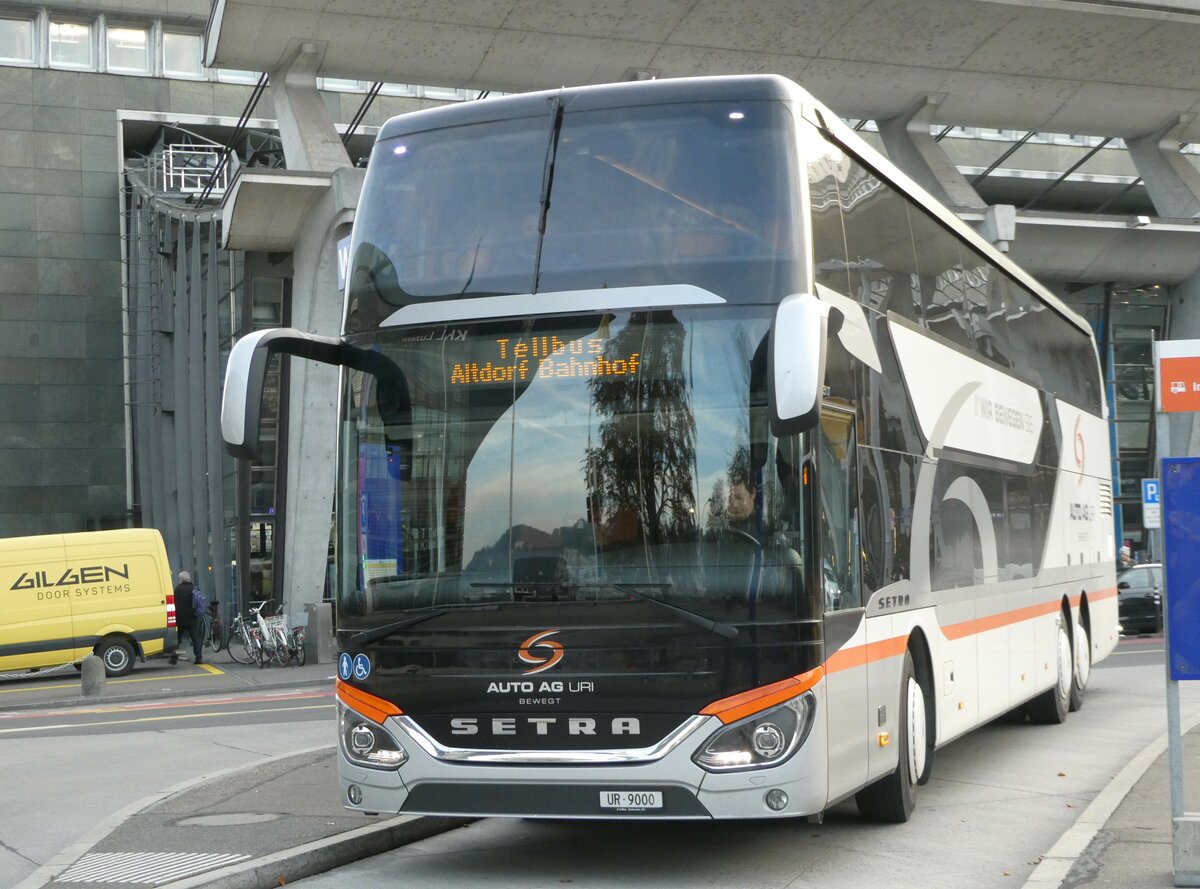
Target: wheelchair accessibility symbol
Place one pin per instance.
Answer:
(345, 666)
(362, 667)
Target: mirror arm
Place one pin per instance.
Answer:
(246, 371)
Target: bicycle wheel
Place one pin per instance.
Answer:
(203, 626)
(280, 648)
(298, 641)
(262, 653)
(216, 637)
(241, 649)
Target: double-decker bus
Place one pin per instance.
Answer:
(694, 463)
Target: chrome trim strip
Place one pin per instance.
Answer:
(564, 302)
(550, 757)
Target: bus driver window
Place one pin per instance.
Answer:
(838, 518)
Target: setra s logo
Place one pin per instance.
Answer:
(537, 659)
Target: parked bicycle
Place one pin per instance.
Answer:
(245, 639)
(296, 646)
(273, 633)
(212, 628)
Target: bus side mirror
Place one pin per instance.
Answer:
(241, 406)
(797, 363)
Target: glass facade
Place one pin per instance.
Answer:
(1127, 321)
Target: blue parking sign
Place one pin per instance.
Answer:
(1151, 503)
(1151, 492)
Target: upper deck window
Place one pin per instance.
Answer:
(697, 193)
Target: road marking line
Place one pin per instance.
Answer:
(209, 670)
(1140, 651)
(68, 725)
(161, 705)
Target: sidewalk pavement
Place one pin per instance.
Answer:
(197, 833)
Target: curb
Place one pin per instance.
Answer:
(321, 855)
(1056, 864)
(74, 851)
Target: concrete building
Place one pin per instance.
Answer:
(159, 198)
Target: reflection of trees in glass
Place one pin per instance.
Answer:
(642, 466)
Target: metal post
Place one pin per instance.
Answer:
(1185, 828)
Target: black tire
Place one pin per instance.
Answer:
(261, 653)
(1081, 666)
(1052, 705)
(240, 650)
(117, 655)
(891, 799)
(280, 650)
(301, 655)
(202, 626)
(216, 638)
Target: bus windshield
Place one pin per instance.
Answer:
(574, 460)
(688, 193)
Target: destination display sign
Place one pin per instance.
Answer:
(511, 359)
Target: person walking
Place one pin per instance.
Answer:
(186, 619)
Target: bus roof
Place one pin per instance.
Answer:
(740, 87)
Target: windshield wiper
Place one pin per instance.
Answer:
(635, 589)
(368, 636)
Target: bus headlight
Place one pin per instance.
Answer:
(367, 743)
(762, 740)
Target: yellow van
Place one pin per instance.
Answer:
(65, 596)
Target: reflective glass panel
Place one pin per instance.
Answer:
(128, 49)
(71, 45)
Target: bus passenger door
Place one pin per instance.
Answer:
(845, 620)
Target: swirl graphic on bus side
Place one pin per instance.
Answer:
(1080, 451)
(540, 662)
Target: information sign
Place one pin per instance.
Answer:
(1151, 503)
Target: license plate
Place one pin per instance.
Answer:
(631, 800)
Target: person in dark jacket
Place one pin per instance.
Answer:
(185, 617)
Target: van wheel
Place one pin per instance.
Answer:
(117, 655)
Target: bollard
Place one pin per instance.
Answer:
(93, 676)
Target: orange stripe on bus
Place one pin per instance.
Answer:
(1007, 618)
(861, 655)
(756, 700)
(370, 706)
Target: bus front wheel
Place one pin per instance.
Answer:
(893, 797)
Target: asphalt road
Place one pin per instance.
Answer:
(64, 770)
(999, 798)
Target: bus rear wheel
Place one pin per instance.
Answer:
(893, 797)
(1052, 705)
(1082, 666)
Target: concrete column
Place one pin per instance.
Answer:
(312, 394)
(310, 141)
(1185, 325)
(1171, 181)
(910, 147)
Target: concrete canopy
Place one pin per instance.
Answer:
(1065, 66)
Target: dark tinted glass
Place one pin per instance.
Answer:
(691, 193)
(944, 287)
(679, 194)
(879, 244)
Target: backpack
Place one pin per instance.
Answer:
(199, 602)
